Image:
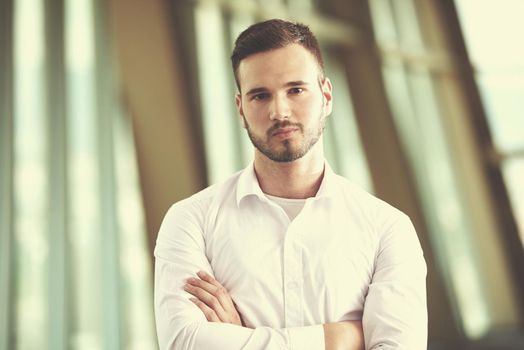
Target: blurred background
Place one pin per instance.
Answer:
(110, 111)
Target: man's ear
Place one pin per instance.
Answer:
(327, 94)
(238, 103)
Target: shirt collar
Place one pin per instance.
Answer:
(248, 184)
(327, 188)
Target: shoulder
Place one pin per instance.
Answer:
(198, 206)
(397, 239)
(387, 224)
(375, 210)
(184, 224)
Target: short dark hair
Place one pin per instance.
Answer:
(270, 35)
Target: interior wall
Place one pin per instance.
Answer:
(170, 160)
(160, 94)
(497, 239)
(390, 171)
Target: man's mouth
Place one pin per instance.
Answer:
(284, 132)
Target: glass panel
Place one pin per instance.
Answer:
(419, 118)
(451, 218)
(86, 332)
(503, 93)
(30, 179)
(217, 109)
(300, 6)
(383, 23)
(237, 25)
(514, 175)
(493, 32)
(345, 153)
(416, 114)
(135, 261)
(406, 23)
(498, 56)
(31, 196)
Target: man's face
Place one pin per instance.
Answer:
(283, 104)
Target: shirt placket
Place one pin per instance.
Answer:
(293, 281)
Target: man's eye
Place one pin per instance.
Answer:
(260, 97)
(296, 90)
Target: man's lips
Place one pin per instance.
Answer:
(284, 131)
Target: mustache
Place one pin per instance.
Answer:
(284, 124)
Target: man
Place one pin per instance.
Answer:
(286, 254)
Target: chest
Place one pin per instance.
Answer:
(323, 252)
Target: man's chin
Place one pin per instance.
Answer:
(285, 157)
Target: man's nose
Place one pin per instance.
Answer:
(279, 109)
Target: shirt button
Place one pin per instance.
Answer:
(292, 285)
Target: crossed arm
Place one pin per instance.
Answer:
(394, 315)
(216, 304)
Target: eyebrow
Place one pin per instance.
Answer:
(288, 84)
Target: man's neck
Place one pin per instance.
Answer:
(298, 179)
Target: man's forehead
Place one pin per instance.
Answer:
(278, 67)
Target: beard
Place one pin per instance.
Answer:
(286, 150)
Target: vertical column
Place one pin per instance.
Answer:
(30, 180)
(105, 100)
(217, 107)
(481, 180)
(6, 171)
(58, 182)
(156, 90)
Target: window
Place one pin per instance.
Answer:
(421, 81)
(78, 276)
(498, 59)
(31, 189)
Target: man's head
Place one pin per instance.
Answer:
(270, 35)
(283, 98)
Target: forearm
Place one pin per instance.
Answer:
(182, 324)
(215, 335)
(345, 335)
(218, 307)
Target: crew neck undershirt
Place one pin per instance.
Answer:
(292, 207)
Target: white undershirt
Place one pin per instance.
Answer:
(292, 207)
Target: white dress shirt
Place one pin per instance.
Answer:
(346, 256)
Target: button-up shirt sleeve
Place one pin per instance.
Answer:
(395, 315)
(179, 254)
